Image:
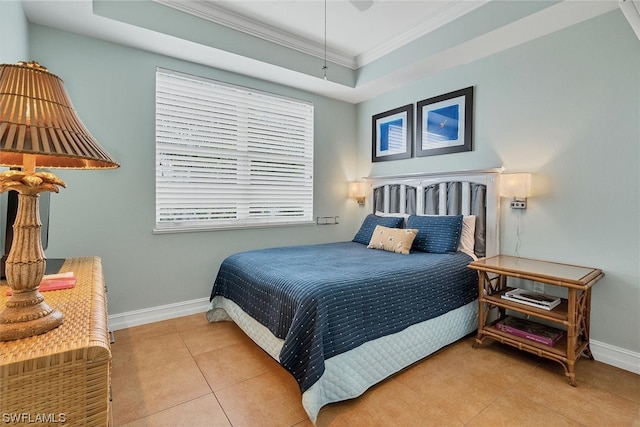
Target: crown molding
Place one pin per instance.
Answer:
(631, 11)
(79, 17)
(213, 13)
(447, 13)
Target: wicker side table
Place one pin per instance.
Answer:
(62, 377)
(572, 313)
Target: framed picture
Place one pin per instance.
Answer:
(392, 134)
(445, 123)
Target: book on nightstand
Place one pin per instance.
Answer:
(54, 282)
(533, 299)
(533, 331)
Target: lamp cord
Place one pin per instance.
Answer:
(518, 233)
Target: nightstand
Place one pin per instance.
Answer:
(62, 377)
(573, 312)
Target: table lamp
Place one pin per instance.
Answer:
(38, 129)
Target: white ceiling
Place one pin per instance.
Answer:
(354, 38)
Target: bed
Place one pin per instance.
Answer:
(341, 317)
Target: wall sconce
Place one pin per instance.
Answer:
(357, 190)
(518, 187)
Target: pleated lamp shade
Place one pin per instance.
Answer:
(37, 118)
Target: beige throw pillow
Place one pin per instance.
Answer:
(397, 240)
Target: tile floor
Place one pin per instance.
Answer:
(187, 372)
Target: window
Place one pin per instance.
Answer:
(229, 156)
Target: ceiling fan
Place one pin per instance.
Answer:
(362, 5)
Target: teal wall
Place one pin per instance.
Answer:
(111, 213)
(565, 107)
(14, 34)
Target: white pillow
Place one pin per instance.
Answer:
(467, 236)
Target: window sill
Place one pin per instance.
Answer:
(202, 229)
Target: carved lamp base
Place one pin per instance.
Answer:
(26, 314)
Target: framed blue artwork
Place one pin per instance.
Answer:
(445, 123)
(392, 134)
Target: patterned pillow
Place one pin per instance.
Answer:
(396, 240)
(396, 214)
(436, 234)
(369, 224)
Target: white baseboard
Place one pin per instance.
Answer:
(602, 352)
(157, 314)
(616, 356)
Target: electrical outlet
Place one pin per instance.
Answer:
(518, 204)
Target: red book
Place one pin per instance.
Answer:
(530, 330)
(54, 282)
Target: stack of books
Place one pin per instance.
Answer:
(533, 299)
(533, 331)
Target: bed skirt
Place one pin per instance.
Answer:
(344, 377)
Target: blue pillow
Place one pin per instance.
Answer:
(369, 224)
(437, 234)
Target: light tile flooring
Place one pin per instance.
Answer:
(187, 372)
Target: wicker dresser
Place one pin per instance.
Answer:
(61, 377)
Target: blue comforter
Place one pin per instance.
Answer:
(326, 299)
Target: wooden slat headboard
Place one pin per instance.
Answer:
(448, 193)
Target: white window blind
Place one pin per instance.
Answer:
(229, 156)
